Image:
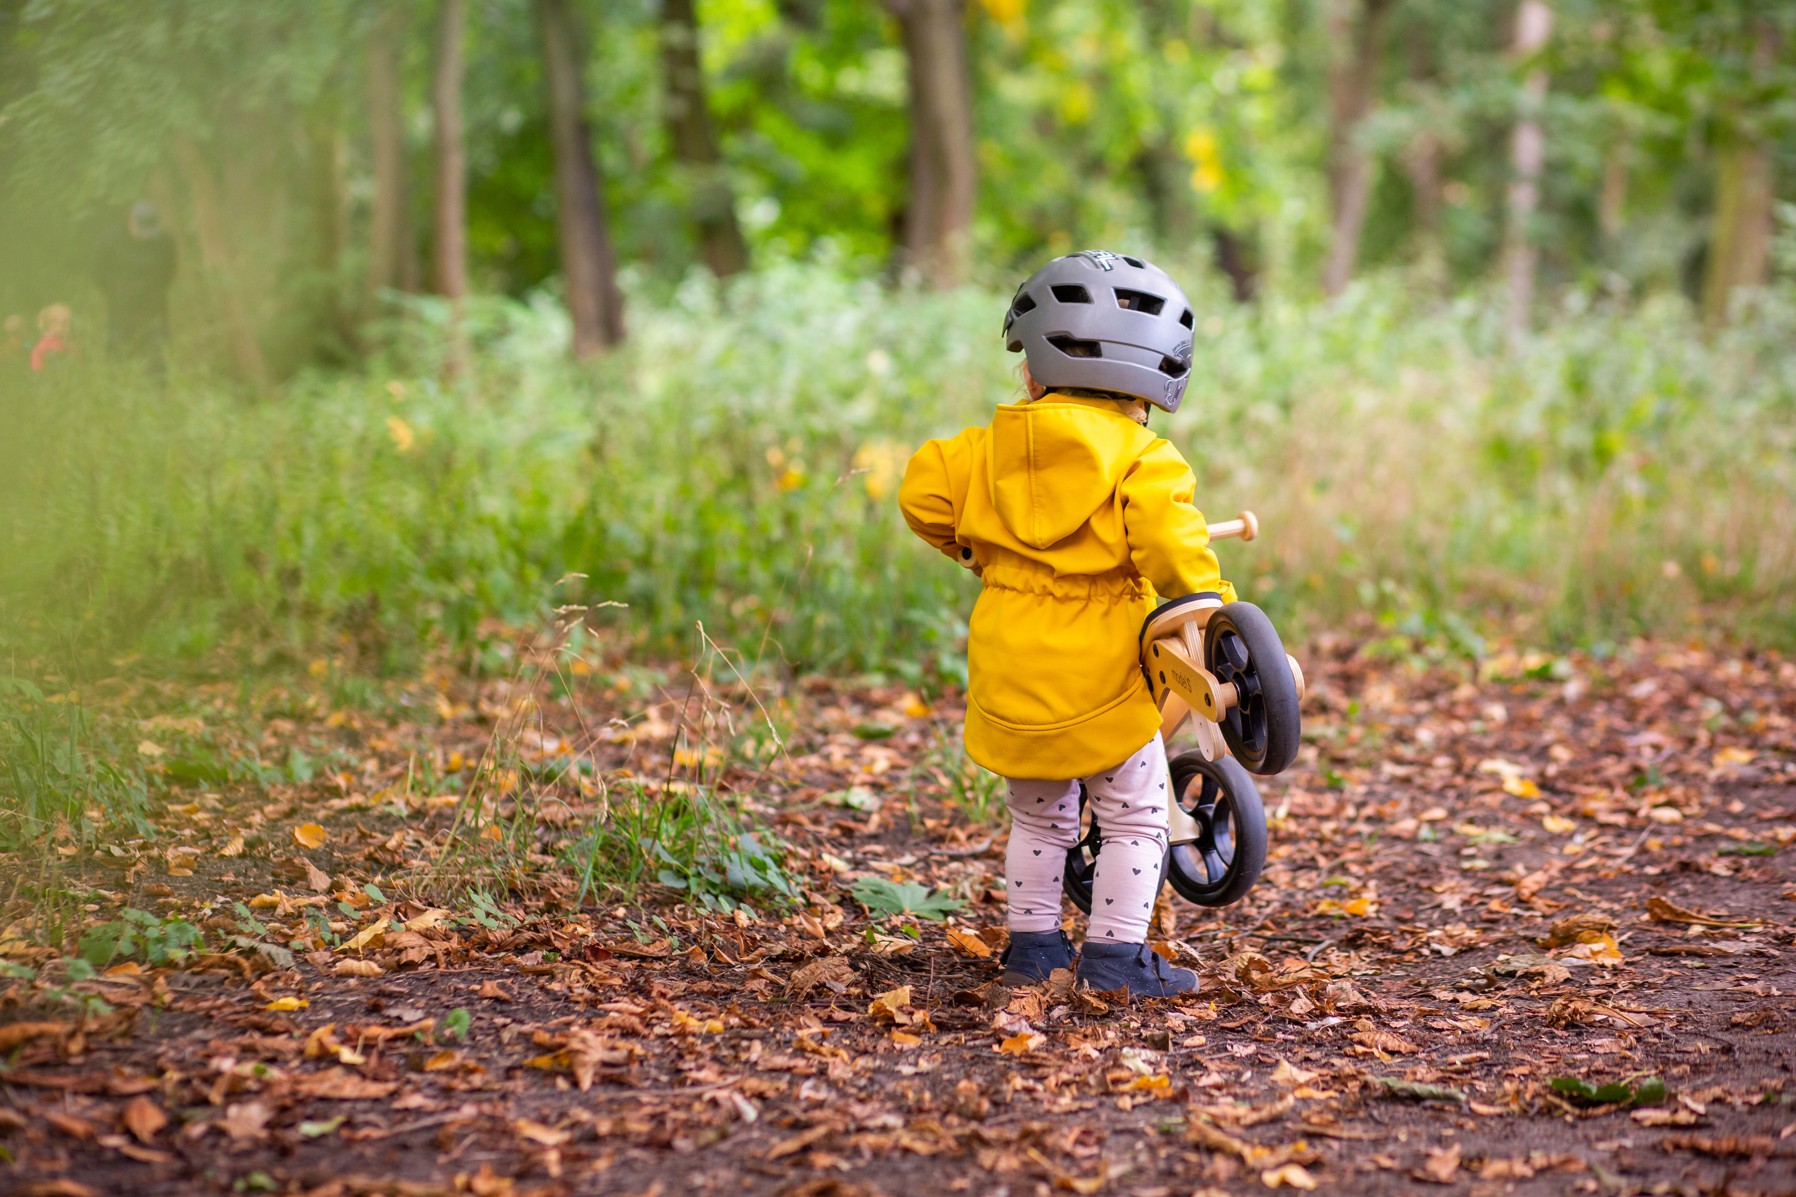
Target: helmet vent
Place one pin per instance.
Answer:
(1024, 302)
(1137, 263)
(1139, 301)
(1071, 293)
(1186, 319)
(1074, 347)
(1173, 368)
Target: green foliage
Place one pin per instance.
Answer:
(1648, 1092)
(891, 899)
(456, 1023)
(140, 935)
(61, 771)
(691, 840)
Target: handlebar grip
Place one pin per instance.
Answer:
(1245, 526)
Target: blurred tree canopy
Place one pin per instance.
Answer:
(1264, 143)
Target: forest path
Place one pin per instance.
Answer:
(1568, 869)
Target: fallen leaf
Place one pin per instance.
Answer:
(1661, 911)
(1441, 1166)
(541, 1135)
(310, 835)
(15, 1034)
(1660, 1116)
(1290, 1075)
(357, 968)
(143, 1118)
(1022, 1043)
(1520, 787)
(1597, 949)
(246, 1122)
(1288, 1175)
(366, 936)
(832, 971)
(1558, 824)
(1419, 1090)
(969, 943)
(1574, 928)
(887, 1006)
(340, 1084)
(316, 877)
(286, 1005)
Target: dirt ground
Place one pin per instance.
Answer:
(1480, 882)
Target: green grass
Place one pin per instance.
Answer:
(737, 465)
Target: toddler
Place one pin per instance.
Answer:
(53, 322)
(1075, 517)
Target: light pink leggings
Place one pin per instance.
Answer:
(1130, 805)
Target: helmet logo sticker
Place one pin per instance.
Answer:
(1103, 257)
(1173, 389)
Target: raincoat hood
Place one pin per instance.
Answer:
(1054, 464)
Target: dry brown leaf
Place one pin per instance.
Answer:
(1572, 929)
(1385, 1041)
(316, 877)
(59, 1187)
(357, 968)
(18, 1033)
(888, 1006)
(143, 1118)
(246, 1122)
(1289, 1075)
(969, 943)
(541, 1135)
(1660, 1116)
(1441, 1166)
(1288, 1175)
(1661, 911)
(834, 972)
(340, 1084)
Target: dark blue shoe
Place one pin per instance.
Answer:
(1107, 967)
(1032, 955)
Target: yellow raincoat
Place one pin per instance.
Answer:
(1077, 518)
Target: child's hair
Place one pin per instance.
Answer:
(55, 318)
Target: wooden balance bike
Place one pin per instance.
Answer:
(1225, 665)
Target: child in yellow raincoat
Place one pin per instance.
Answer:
(1076, 518)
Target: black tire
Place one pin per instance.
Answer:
(1263, 728)
(1230, 851)
(1082, 858)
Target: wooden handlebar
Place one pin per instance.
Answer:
(1245, 525)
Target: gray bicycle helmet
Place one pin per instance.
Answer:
(1100, 321)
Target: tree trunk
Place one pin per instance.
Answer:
(1352, 86)
(329, 153)
(1527, 153)
(215, 260)
(695, 143)
(450, 259)
(588, 265)
(389, 224)
(1740, 243)
(943, 173)
(1422, 163)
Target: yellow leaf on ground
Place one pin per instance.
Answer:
(150, 748)
(286, 1005)
(310, 835)
(1734, 755)
(366, 936)
(1520, 787)
(969, 943)
(1558, 824)
(543, 1136)
(1022, 1043)
(915, 707)
(1157, 1083)
(906, 1039)
(1598, 948)
(886, 1006)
